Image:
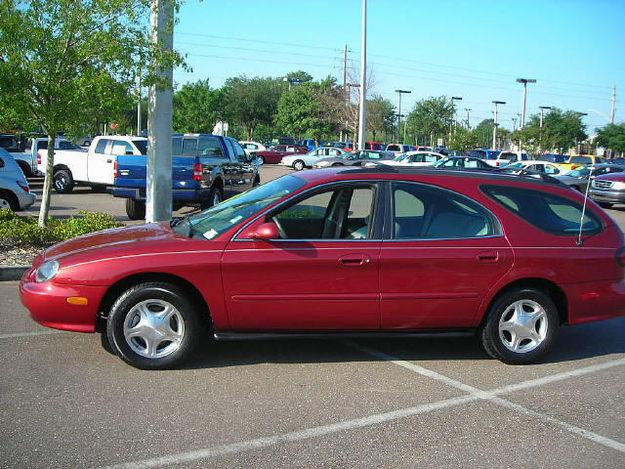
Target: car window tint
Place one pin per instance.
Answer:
(239, 153)
(176, 146)
(101, 146)
(65, 145)
(551, 169)
(189, 147)
(422, 212)
(343, 213)
(122, 148)
(211, 147)
(547, 212)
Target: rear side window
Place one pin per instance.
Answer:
(100, 147)
(548, 212)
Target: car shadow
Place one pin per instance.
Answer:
(574, 343)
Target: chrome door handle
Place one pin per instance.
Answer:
(354, 260)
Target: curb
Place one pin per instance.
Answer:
(12, 272)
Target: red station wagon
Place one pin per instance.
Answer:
(366, 251)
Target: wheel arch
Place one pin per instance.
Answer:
(125, 283)
(11, 197)
(547, 286)
(25, 167)
(60, 166)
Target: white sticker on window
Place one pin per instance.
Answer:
(210, 234)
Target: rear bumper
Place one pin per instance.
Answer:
(26, 199)
(607, 195)
(47, 304)
(595, 301)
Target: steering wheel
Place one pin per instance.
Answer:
(281, 231)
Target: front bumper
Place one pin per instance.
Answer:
(47, 304)
(611, 196)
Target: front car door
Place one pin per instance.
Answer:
(443, 253)
(242, 170)
(321, 274)
(100, 163)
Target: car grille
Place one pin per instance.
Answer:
(602, 184)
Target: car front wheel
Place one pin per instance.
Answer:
(63, 181)
(298, 165)
(154, 325)
(521, 326)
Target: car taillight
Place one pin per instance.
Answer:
(24, 187)
(620, 256)
(496, 163)
(197, 172)
(115, 173)
(38, 158)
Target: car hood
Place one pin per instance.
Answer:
(131, 237)
(620, 177)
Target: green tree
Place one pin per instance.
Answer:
(463, 139)
(561, 130)
(431, 118)
(250, 102)
(380, 116)
(197, 107)
(64, 62)
(612, 136)
(301, 112)
(299, 76)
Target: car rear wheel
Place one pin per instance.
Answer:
(215, 196)
(63, 181)
(154, 325)
(521, 326)
(135, 209)
(298, 165)
(9, 201)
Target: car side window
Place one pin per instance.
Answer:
(211, 147)
(549, 169)
(239, 153)
(176, 146)
(122, 148)
(101, 146)
(423, 212)
(342, 213)
(189, 147)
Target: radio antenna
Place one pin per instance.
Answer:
(580, 243)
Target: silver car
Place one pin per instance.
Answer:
(14, 191)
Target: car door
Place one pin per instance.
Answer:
(321, 274)
(100, 162)
(442, 253)
(241, 165)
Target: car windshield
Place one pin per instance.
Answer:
(218, 219)
(400, 157)
(578, 173)
(581, 159)
(516, 165)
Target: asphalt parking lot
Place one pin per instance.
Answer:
(310, 403)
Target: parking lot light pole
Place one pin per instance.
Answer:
(524, 81)
(454, 118)
(362, 112)
(399, 114)
(468, 111)
(495, 124)
(542, 114)
(159, 172)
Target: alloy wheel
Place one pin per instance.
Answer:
(523, 326)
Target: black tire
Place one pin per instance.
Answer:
(490, 335)
(605, 204)
(262, 159)
(63, 181)
(298, 165)
(26, 169)
(338, 164)
(135, 209)
(256, 182)
(192, 324)
(215, 195)
(8, 200)
(106, 343)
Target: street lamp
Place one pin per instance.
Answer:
(468, 110)
(495, 124)
(399, 114)
(454, 98)
(524, 81)
(542, 114)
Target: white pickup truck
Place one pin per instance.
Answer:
(94, 167)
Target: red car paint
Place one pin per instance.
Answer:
(333, 285)
(274, 154)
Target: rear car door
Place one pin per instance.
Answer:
(441, 254)
(321, 274)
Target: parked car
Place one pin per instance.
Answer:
(540, 166)
(357, 250)
(356, 158)
(252, 148)
(206, 169)
(309, 143)
(398, 148)
(94, 167)
(299, 162)
(554, 158)
(377, 146)
(578, 178)
(581, 160)
(14, 191)
(342, 145)
(275, 154)
(499, 158)
(608, 189)
(462, 162)
(415, 158)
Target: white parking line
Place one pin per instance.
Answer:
(28, 334)
(473, 395)
(491, 396)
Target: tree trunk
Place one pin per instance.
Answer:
(47, 184)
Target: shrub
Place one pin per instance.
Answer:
(24, 231)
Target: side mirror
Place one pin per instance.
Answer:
(265, 231)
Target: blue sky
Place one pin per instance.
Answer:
(470, 48)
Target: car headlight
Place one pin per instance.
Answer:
(47, 271)
(619, 186)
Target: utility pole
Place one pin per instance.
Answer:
(514, 119)
(399, 115)
(613, 109)
(139, 104)
(345, 85)
(159, 171)
(542, 114)
(454, 98)
(468, 110)
(524, 81)
(495, 124)
(362, 114)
